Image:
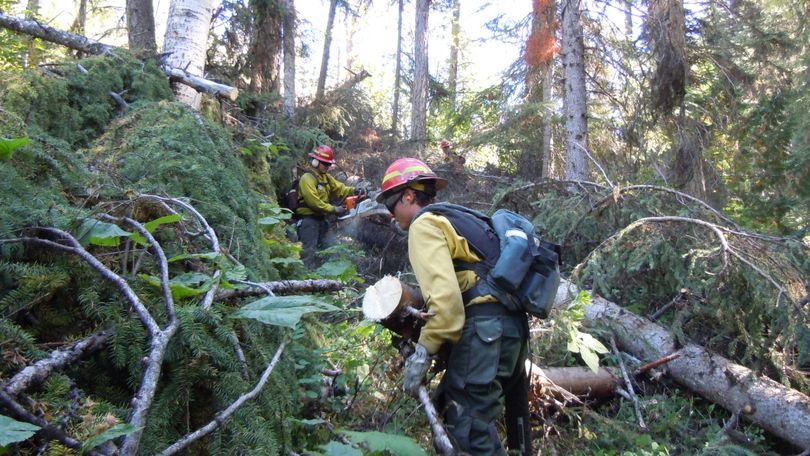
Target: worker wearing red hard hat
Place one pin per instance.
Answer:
(316, 190)
(489, 344)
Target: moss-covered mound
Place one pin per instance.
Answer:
(165, 148)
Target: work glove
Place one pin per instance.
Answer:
(416, 366)
(341, 211)
(361, 192)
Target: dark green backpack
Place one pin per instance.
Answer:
(517, 267)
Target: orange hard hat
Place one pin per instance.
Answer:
(406, 171)
(324, 154)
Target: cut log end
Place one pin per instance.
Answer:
(382, 298)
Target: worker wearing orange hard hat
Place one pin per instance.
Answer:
(316, 191)
(489, 344)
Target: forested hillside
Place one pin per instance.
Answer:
(153, 294)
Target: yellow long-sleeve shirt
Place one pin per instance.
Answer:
(433, 244)
(314, 191)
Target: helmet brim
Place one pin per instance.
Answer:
(320, 159)
(439, 182)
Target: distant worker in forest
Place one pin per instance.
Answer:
(489, 344)
(452, 158)
(317, 190)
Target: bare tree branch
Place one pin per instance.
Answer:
(220, 417)
(40, 370)
(284, 287)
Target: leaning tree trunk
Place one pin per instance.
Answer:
(288, 39)
(576, 120)
(420, 75)
(327, 43)
(780, 410)
(186, 42)
(141, 27)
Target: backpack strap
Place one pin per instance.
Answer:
(477, 229)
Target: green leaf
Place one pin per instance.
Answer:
(12, 430)
(284, 310)
(338, 269)
(112, 433)
(393, 443)
(201, 256)
(308, 421)
(340, 449)
(591, 343)
(8, 146)
(184, 285)
(591, 359)
(96, 232)
(150, 226)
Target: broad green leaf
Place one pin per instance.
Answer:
(338, 269)
(284, 310)
(393, 443)
(96, 232)
(237, 273)
(340, 449)
(591, 343)
(285, 261)
(112, 433)
(184, 285)
(201, 256)
(12, 430)
(591, 359)
(308, 421)
(150, 226)
(8, 146)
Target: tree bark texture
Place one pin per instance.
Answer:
(398, 72)
(666, 32)
(141, 27)
(265, 47)
(32, 53)
(420, 75)
(575, 105)
(780, 410)
(327, 43)
(288, 32)
(186, 43)
(455, 40)
(81, 18)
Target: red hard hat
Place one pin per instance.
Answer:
(324, 154)
(404, 171)
(444, 144)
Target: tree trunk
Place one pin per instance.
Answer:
(186, 41)
(265, 47)
(666, 32)
(420, 75)
(288, 38)
(455, 34)
(81, 18)
(398, 73)
(327, 43)
(541, 47)
(32, 53)
(548, 121)
(780, 410)
(141, 27)
(576, 120)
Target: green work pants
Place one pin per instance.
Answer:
(315, 234)
(485, 372)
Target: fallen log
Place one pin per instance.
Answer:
(89, 46)
(780, 410)
(282, 287)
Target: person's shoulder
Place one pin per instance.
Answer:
(307, 177)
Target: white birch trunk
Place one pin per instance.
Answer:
(420, 77)
(186, 41)
(575, 106)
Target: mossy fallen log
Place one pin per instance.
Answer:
(782, 411)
